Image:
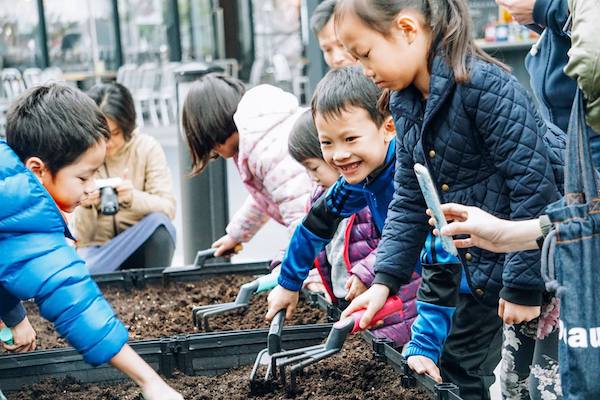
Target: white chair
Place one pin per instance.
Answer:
(33, 77)
(146, 92)
(52, 74)
(12, 83)
(167, 96)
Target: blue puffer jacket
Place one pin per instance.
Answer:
(484, 145)
(38, 263)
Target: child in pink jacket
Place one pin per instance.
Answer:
(221, 119)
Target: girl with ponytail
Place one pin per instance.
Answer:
(460, 113)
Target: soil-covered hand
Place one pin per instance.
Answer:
(515, 313)
(91, 199)
(372, 300)
(424, 365)
(224, 245)
(23, 338)
(159, 390)
(280, 298)
(355, 287)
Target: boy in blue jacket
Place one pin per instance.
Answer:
(56, 140)
(358, 140)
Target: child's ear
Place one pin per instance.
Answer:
(37, 166)
(389, 129)
(407, 25)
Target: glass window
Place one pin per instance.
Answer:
(19, 46)
(143, 32)
(81, 34)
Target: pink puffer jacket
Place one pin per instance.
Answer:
(279, 186)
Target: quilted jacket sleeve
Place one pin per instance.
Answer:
(405, 228)
(507, 122)
(247, 221)
(48, 270)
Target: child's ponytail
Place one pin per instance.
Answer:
(452, 26)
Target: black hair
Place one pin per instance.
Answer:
(56, 123)
(207, 116)
(303, 142)
(347, 87)
(322, 15)
(116, 102)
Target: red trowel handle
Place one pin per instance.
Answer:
(392, 305)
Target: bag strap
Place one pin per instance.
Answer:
(581, 183)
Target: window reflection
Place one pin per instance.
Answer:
(18, 34)
(143, 32)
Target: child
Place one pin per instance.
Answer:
(140, 234)
(460, 113)
(219, 119)
(56, 140)
(346, 264)
(321, 23)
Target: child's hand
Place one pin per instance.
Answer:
(159, 390)
(515, 313)
(355, 287)
(224, 244)
(372, 300)
(23, 338)
(281, 298)
(91, 199)
(424, 365)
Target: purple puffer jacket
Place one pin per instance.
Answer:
(361, 240)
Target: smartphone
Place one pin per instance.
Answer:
(433, 203)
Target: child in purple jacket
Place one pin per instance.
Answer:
(346, 264)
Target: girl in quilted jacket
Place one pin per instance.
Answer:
(345, 266)
(221, 119)
(460, 113)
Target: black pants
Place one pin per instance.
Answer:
(156, 251)
(473, 349)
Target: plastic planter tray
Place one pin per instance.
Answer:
(195, 354)
(384, 349)
(138, 278)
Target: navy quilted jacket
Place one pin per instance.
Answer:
(483, 142)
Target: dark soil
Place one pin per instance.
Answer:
(349, 375)
(158, 311)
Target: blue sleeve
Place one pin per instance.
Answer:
(316, 230)
(301, 252)
(45, 268)
(429, 331)
(552, 14)
(12, 311)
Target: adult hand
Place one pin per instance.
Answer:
(486, 231)
(23, 338)
(125, 191)
(515, 313)
(521, 10)
(224, 245)
(355, 287)
(280, 298)
(424, 365)
(372, 301)
(91, 199)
